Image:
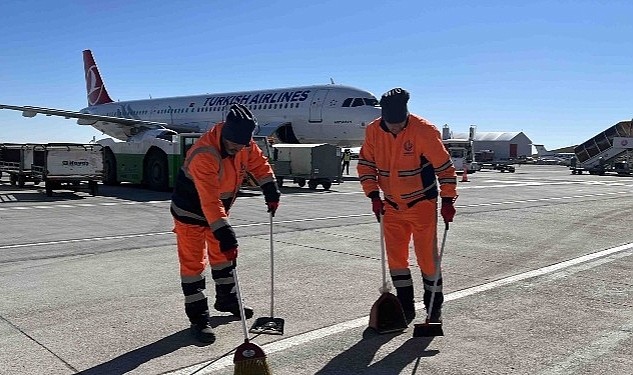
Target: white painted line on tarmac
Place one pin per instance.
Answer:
(595, 349)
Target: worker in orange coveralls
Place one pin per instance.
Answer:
(206, 187)
(403, 155)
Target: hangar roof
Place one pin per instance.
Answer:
(488, 136)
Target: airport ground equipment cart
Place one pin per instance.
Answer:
(501, 166)
(15, 161)
(70, 166)
(314, 164)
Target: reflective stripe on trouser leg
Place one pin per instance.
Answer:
(191, 256)
(404, 286)
(224, 282)
(196, 304)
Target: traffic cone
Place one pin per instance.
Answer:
(465, 174)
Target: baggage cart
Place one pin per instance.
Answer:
(72, 166)
(15, 161)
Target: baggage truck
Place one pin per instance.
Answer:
(68, 165)
(314, 164)
(15, 161)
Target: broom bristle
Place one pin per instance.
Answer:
(250, 359)
(257, 366)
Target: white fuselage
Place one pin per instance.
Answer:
(332, 114)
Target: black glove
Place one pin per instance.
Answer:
(227, 238)
(271, 192)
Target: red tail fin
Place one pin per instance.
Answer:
(95, 88)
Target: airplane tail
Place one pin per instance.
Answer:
(95, 89)
(540, 150)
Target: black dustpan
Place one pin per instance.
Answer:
(386, 315)
(269, 325)
(428, 329)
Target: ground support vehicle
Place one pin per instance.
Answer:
(462, 156)
(16, 160)
(67, 165)
(152, 159)
(501, 166)
(606, 153)
(314, 164)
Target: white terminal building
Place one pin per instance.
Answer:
(504, 145)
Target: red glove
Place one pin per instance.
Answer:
(378, 206)
(272, 207)
(448, 209)
(231, 254)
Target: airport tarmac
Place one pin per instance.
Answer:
(537, 270)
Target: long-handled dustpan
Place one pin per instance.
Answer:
(386, 315)
(428, 329)
(270, 325)
(249, 358)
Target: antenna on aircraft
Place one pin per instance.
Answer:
(332, 81)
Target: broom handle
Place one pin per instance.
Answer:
(239, 301)
(385, 287)
(437, 272)
(272, 270)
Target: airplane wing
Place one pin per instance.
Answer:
(124, 127)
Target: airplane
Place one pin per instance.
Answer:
(334, 114)
(542, 151)
(551, 157)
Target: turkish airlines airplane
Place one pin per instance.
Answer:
(332, 114)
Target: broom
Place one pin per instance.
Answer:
(249, 358)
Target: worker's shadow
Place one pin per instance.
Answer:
(131, 360)
(358, 358)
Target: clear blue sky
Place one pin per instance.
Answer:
(560, 71)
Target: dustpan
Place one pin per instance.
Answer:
(386, 315)
(269, 325)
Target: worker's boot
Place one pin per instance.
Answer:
(436, 311)
(197, 309)
(401, 279)
(405, 296)
(201, 329)
(225, 293)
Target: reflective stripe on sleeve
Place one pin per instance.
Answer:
(221, 222)
(180, 212)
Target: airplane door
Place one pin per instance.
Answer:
(316, 106)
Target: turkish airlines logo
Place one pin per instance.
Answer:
(94, 86)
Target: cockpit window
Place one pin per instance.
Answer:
(358, 102)
(371, 102)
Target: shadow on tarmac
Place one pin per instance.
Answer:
(132, 360)
(357, 359)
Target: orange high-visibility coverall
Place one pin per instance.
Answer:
(407, 168)
(198, 212)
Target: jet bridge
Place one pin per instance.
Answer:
(604, 149)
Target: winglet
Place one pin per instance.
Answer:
(95, 89)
